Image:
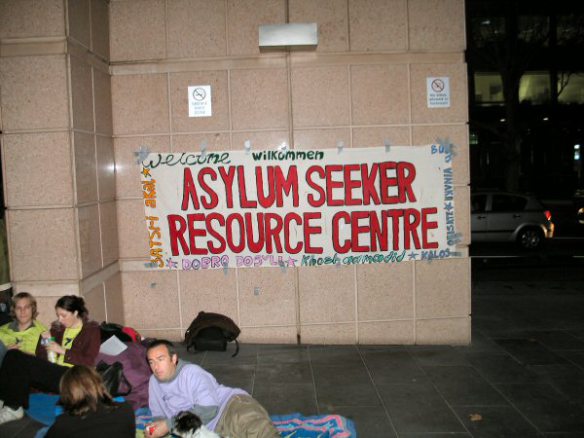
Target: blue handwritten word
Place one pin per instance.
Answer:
(434, 254)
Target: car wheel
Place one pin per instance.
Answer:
(530, 238)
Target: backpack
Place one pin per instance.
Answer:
(212, 331)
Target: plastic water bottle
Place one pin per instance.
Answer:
(51, 355)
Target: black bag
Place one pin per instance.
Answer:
(212, 331)
(113, 378)
(109, 329)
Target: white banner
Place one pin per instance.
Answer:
(229, 209)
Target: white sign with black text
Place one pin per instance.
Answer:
(200, 101)
(438, 92)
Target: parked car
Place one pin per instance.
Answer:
(502, 217)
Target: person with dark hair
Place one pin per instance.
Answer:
(73, 340)
(177, 386)
(89, 410)
(24, 331)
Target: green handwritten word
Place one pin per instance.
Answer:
(287, 155)
(368, 259)
(185, 158)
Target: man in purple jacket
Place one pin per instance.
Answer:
(177, 386)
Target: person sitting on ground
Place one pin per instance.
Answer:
(24, 331)
(89, 410)
(77, 342)
(177, 386)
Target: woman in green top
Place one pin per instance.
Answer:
(24, 331)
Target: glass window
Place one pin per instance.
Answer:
(533, 29)
(488, 89)
(502, 203)
(535, 87)
(478, 203)
(571, 87)
(487, 29)
(570, 29)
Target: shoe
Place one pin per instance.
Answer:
(8, 414)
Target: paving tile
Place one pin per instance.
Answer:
(397, 366)
(288, 372)
(282, 354)
(370, 421)
(449, 356)
(284, 398)
(557, 340)
(335, 356)
(344, 386)
(575, 357)
(495, 422)
(545, 407)
(418, 408)
(235, 376)
(480, 343)
(529, 351)
(248, 355)
(501, 368)
(464, 386)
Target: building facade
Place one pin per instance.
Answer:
(87, 84)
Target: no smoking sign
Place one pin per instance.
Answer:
(200, 101)
(438, 92)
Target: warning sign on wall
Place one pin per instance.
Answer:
(200, 101)
(438, 92)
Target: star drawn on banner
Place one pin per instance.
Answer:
(171, 263)
(413, 255)
(448, 206)
(146, 172)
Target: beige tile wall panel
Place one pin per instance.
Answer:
(259, 139)
(443, 288)
(386, 332)
(327, 294)
(85, 167)
(42, 244)
(208, 291)
(436, 25)
(378, 25)
(89, 239)
(151, 300)
(114, 299)
(379, 94)
(95, 303)
(132, 231)
(328, 334)
(453, 331)
(137, 30)
(331, 18)
(320, 96)
(377, 135)
(100, 28)
(462, 213)
(193, 142)
(455, 134)
(385, 292)
(103, 102)
(127, 168)
(273, 335)
(27, 159)
(259, 99)
(243, 20)
(46, 309)
(106, 176)
(31, 18)
(34, 93)
(81, 94)
(78, 20)
(140, 104)
(109, 232)
(458, 110)
(196, 28)
(321, 138)
(266, 296)
(179, 104)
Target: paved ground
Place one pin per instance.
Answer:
(523, 376)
